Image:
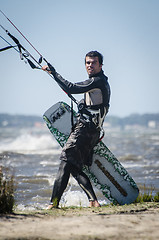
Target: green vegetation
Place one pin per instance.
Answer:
(156, 197)
(147, 197)
(6, 191)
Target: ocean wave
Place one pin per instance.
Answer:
(30, 143)
(131, 157)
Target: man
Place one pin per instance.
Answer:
(78, 150)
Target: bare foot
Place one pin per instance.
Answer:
(51, 206)
(94, 204)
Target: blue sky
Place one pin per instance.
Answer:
(126, 32)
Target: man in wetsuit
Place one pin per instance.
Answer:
(78, 150)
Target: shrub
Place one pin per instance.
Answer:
(147, 197)
(156, 197)
(6, 191)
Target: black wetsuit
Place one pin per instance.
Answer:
(78, 150)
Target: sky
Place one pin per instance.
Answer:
(126, 32)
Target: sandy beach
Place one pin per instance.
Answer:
(135, 221)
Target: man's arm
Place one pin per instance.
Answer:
(68, 87)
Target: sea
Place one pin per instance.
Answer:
(32, 155)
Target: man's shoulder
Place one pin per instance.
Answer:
(100, 77)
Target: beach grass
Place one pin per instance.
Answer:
(7, 189)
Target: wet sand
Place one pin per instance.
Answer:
(134, 221)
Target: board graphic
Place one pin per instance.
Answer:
(106, 172)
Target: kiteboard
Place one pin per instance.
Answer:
(106, 172)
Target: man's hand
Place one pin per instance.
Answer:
(46, 68)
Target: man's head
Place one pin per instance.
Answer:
(93, 62)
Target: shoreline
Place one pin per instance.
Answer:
(134, 221)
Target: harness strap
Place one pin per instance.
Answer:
(72, 122)
(103, 133)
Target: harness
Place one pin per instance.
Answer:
(88, 117)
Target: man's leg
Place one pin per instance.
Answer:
(60, 184)
(85, 184)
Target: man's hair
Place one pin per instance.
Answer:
(95, 54)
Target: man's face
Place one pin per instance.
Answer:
(93, 66)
